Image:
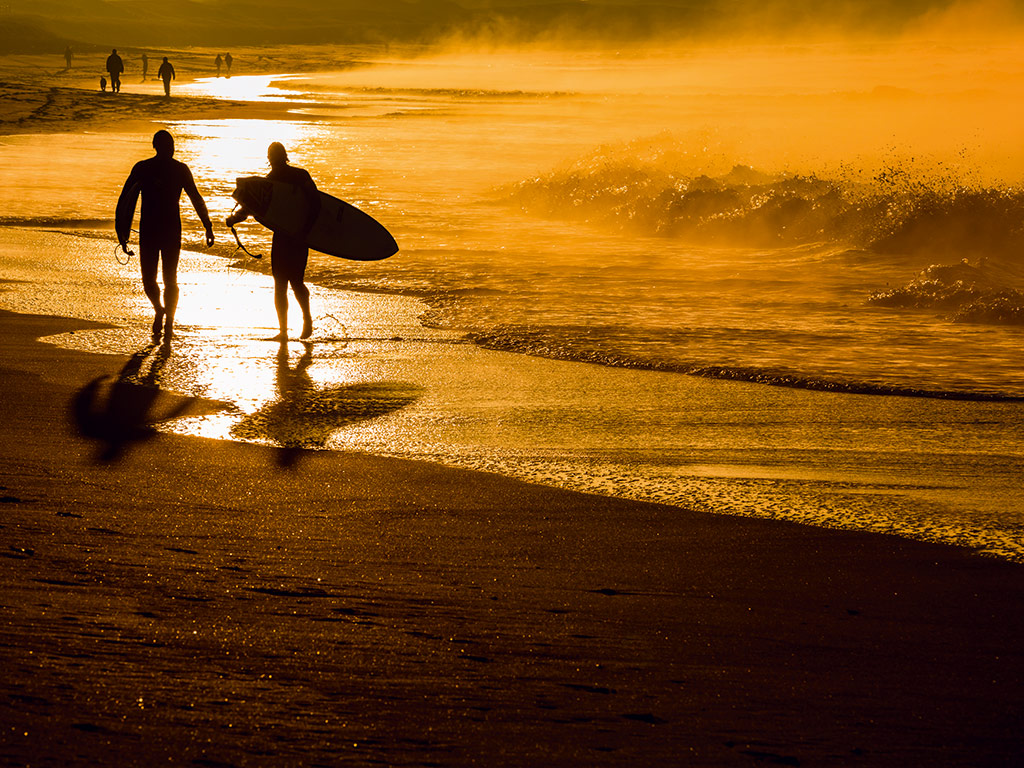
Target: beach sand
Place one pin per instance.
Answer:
(188, 601)
(175, 600)
(36, 97)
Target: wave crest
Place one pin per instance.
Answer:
(893, 212)
(966, 293)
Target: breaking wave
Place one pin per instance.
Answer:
(965, 293)
(895, 211)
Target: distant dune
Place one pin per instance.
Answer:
(27, 35)
(38, 25)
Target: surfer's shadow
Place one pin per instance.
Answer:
(128, 409)
(303, 416)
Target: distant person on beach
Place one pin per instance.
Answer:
(103, 84)
(288, 254)
(166, 73)
(219, 61)
(69, 56)
(114, 68)
(227, 62)
(160, 181)
(145, 66)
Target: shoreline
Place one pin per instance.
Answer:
(797, 480)
(38, 97)
(196, 599)
(45, 109)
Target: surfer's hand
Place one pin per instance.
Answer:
(209, 236)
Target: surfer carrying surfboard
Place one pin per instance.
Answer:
(288, 252)
(159, 181)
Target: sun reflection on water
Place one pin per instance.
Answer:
(219, 151)
(238, 88)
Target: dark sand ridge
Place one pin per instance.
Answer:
(192, 602)
(38, 96)
(28, 108)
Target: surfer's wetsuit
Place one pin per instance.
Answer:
(289, 254)
(160, 180)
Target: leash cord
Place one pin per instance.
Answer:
(242, 247)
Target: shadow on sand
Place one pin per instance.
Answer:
(128, 410)
(304, 416)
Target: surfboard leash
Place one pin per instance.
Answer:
(239, 241)
(128, 253)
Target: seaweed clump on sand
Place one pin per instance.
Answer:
(967, 294)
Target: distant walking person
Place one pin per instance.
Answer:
(114, 68)
(219, 62)
(166, 73)
(288, 254)
(69, 56)
(160, 181)
(145, 66)
(227, 62)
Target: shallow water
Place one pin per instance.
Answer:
(442, 153)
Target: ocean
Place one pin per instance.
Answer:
(769, 282)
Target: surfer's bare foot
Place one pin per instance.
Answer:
(307, 328)
(158, 322)
(282, 336)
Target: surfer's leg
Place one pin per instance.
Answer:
(281, 303)
(169, 261)
(297, 281)
(302, 299)
(149, 256)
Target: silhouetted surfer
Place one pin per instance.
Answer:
(114, 68)
(160, 180)
(288, 254)
(69, 56)
(219, 62)
(166, 73)
(227, 62)
(145, 66)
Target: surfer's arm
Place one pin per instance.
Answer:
(237, 217)
(199, 204)
(128, 189)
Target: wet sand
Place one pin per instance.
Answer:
(38, 97)
(189, 601)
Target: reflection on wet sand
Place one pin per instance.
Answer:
(304, 416)
(133, 405)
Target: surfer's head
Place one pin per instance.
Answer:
(276, 154)
(163, 143)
